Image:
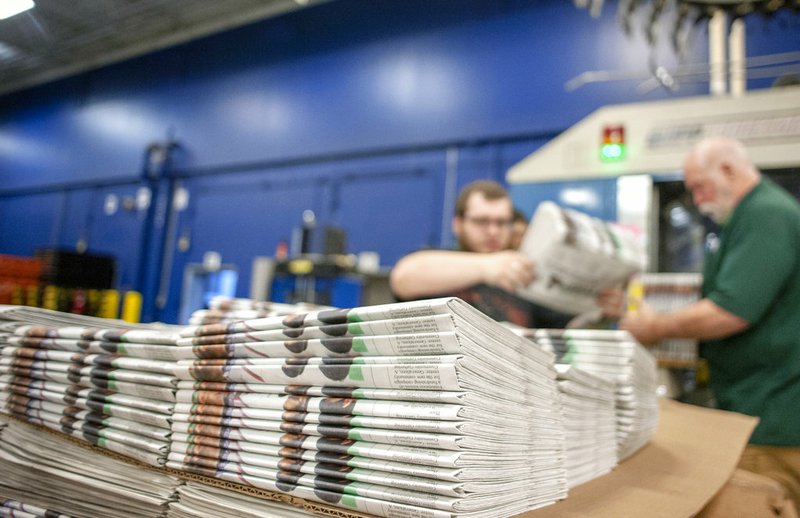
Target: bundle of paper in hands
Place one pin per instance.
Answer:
(425, 408)
(577, 256)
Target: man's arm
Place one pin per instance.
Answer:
(436, 272)
(702, 320)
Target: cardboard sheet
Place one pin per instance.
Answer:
(692, 455)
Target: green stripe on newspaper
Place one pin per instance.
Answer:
(571, 351)
(356, 373)
(355, 329)
(352, 317)
(349, 501)
(614, 239)
(359, 345)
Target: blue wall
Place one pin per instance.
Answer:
(371, 113)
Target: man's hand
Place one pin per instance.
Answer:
(509, 270)
(642, 325)
(611, 302)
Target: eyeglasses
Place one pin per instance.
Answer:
(484, 223)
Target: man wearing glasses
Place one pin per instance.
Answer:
(483, 226)
(485, 271)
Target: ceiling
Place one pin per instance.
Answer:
(58, 38)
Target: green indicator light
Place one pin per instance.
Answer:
(612, 151)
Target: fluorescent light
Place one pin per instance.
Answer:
(7, 51)
(9, 8)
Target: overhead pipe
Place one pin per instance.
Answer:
(717, 26)
(736, 57)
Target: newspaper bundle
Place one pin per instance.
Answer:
(45, 472)
(15, 508)
(664, 292)
(577, 256)
(589, 424)
(616, 357)
(77, 380)
(224, 309)
(425, 408)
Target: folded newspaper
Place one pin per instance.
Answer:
(425, 408)
(589, 424)
(617, 357)
(79, 380)
(577, 256)
(43, 471)
(664, 292)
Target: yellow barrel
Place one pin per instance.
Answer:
(109, 304)
(132, 307)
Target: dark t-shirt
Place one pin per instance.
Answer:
(504, 306)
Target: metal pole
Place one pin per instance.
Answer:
(716, 52)
(736, 56)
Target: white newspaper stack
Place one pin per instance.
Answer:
(44, 475)
(47, 317)
(426, 408)
(577, 256)
(589, 424)
(225, 310)
(665, 292)
(617, 357)
(110, 387)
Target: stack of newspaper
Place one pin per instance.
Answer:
(425, 408)
(617, 357)
(589, 424)
(665, 292)
(111, 387)
(577, 256)
(225, 309)
(15, 508)
(45, 475)
(47, 317)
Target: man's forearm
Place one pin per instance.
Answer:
(434, 272)
(702, 320)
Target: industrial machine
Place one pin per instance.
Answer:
(623, 163)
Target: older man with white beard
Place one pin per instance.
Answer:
(749, 313)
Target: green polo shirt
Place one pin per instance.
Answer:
(755, 274)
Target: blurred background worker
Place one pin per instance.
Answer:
(483, 226)
(748, 316)
(486, 269)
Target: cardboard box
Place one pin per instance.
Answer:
(691, 457)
